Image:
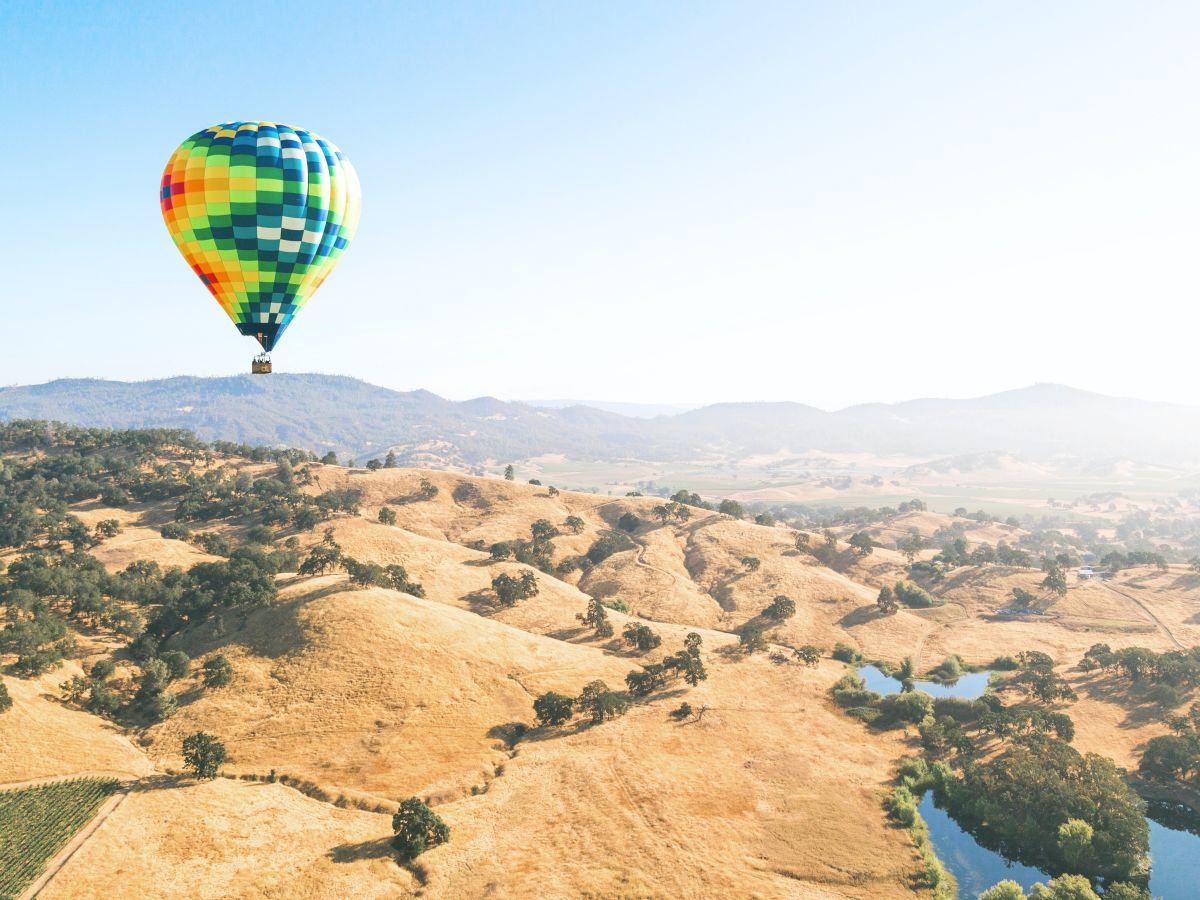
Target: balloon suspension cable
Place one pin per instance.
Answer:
(261, 364)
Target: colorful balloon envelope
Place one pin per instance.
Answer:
(262, 213)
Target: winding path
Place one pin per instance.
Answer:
(640, 559)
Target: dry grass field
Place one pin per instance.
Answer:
(363, 697)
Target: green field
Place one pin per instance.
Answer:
(36, 822)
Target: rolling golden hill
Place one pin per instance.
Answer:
(360, 697)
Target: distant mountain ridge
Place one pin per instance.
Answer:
(349, 416)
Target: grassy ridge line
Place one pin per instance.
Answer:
(37, 822)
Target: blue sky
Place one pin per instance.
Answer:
(829, 203)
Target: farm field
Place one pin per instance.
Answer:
(37, 822)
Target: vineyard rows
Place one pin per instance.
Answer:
(37, 822)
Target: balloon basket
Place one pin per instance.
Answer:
(260, 365)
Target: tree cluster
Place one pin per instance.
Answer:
(510, 590)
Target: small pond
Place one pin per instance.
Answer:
(1174, 854)
(970, 686)
(1174, 851)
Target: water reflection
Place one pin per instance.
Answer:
(969, 686)
(1174, 853)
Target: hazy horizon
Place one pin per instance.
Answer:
(639, 408)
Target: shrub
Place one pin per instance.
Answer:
(396, 577)
(731, 508)
(601, 703)
(750, 639)
(850, 690)
(553, 709)
(203, 754)
(901, 806)
(597, 618)
(959, 709)
(217, 672)
(468, 492)
(107, 528)
(259, 534)
(417, 828)
(950, 669)
(6, 701)
(606, 545)
(102, 669)
(781, 608)
(159, 705)
(810, 655)
(886, 601)
(865, 714)
(543, 530)
(322, 558)
(177, 662)
(1166, 695)
(642, 637)
(387, 516)
(174, 531)
(912, 595)
(647, 681)
(914, 774)
(1064, 887)
(847, 654)
(216, 544)
(509, 590)
(911, 706)
(1004, 890)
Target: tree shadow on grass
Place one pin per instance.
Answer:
(162, 783)
(482, 602)
(1188, 582)
(380, 848)
(860, 616)
(1134, 698)
(538, 734)
(189, 696)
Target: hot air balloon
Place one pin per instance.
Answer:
(262, 213)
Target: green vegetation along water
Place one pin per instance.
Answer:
(1174, 853)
